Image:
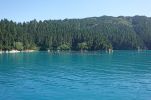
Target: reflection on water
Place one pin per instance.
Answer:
(122, 75)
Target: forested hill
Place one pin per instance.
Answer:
(95, 33)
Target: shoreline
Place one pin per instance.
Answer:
(16, 51)
(49, 51)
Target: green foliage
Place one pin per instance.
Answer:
(33, 47)
(64, 47)
(18, 46)
(96, 33)
(1, 47)
(82, 46)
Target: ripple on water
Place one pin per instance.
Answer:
(122, 75)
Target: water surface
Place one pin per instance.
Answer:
(122, 75)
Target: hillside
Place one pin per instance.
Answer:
(94, 33)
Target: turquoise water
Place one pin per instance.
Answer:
(122, 75)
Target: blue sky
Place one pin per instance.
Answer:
(25, 10)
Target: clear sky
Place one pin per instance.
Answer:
(25, 10)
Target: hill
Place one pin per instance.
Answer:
(94, 33)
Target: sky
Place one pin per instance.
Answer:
(26, 10)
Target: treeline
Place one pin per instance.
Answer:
(95, 33)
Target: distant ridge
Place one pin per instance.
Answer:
(92, 33)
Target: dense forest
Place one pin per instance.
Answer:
(94, 33)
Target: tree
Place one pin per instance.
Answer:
(64, 47)
(82, 46)
(96, 33)
(18, 46)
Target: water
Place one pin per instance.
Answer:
(123, 75)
